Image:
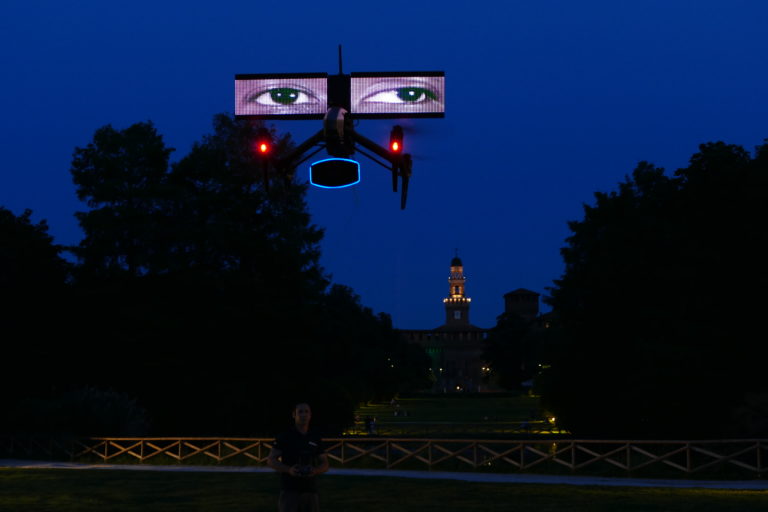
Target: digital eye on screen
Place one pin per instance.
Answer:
(281, 95)
(401, 95)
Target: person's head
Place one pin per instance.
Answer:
(302, 414)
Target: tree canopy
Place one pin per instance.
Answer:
(198, 297)
(29, 258)
(33, 278)
(661, 303)
(121, 176)
(517, 349)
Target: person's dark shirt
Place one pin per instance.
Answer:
(301, 449)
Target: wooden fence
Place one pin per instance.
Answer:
(422, 429)
(680, 457)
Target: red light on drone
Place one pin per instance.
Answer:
(263, 142)
(396, 140)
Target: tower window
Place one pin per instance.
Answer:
(457, 315)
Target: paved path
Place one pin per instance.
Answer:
(754, 485)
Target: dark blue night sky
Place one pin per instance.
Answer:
(547, 102)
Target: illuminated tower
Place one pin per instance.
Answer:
(457, 303)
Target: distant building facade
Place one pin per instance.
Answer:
(523, 303)
(456, 347)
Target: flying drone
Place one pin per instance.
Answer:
(338, 100)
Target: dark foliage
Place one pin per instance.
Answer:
(661, 303)
(517, 350)
(199, 294)
(80, 411)
(121, 176)
(29, 260)
(33, 287)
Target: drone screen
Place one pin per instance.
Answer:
(394, 95)
(288, 96)
(372, 95)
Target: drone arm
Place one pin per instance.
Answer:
(290, 158)
(396, 161)
(375, 148)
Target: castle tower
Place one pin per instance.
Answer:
(523, 303)
(457, 303)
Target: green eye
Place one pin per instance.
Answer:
(284, 95)
(404, 96)
(415, 94)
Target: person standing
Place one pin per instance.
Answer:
(298, 455)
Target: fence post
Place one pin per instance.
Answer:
(629, 454)
(573, 457)
(522, 455)
(688, 461)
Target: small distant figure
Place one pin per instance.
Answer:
(370, 425)
(298, 455)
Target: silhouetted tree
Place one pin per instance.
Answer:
(33, 279)
(517, 349)
(363, 349)
(208, 291)
(509, 351)
(121, 176)
(33, 290)
(30, 262)
(226, 225)
(196, 267)
(658, 303)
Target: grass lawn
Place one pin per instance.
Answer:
(457, 408)
(138, 491)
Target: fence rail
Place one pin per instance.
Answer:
(687, 457)
(420, 429)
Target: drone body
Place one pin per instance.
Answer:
(338, 100)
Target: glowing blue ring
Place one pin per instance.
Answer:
(336, 160)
